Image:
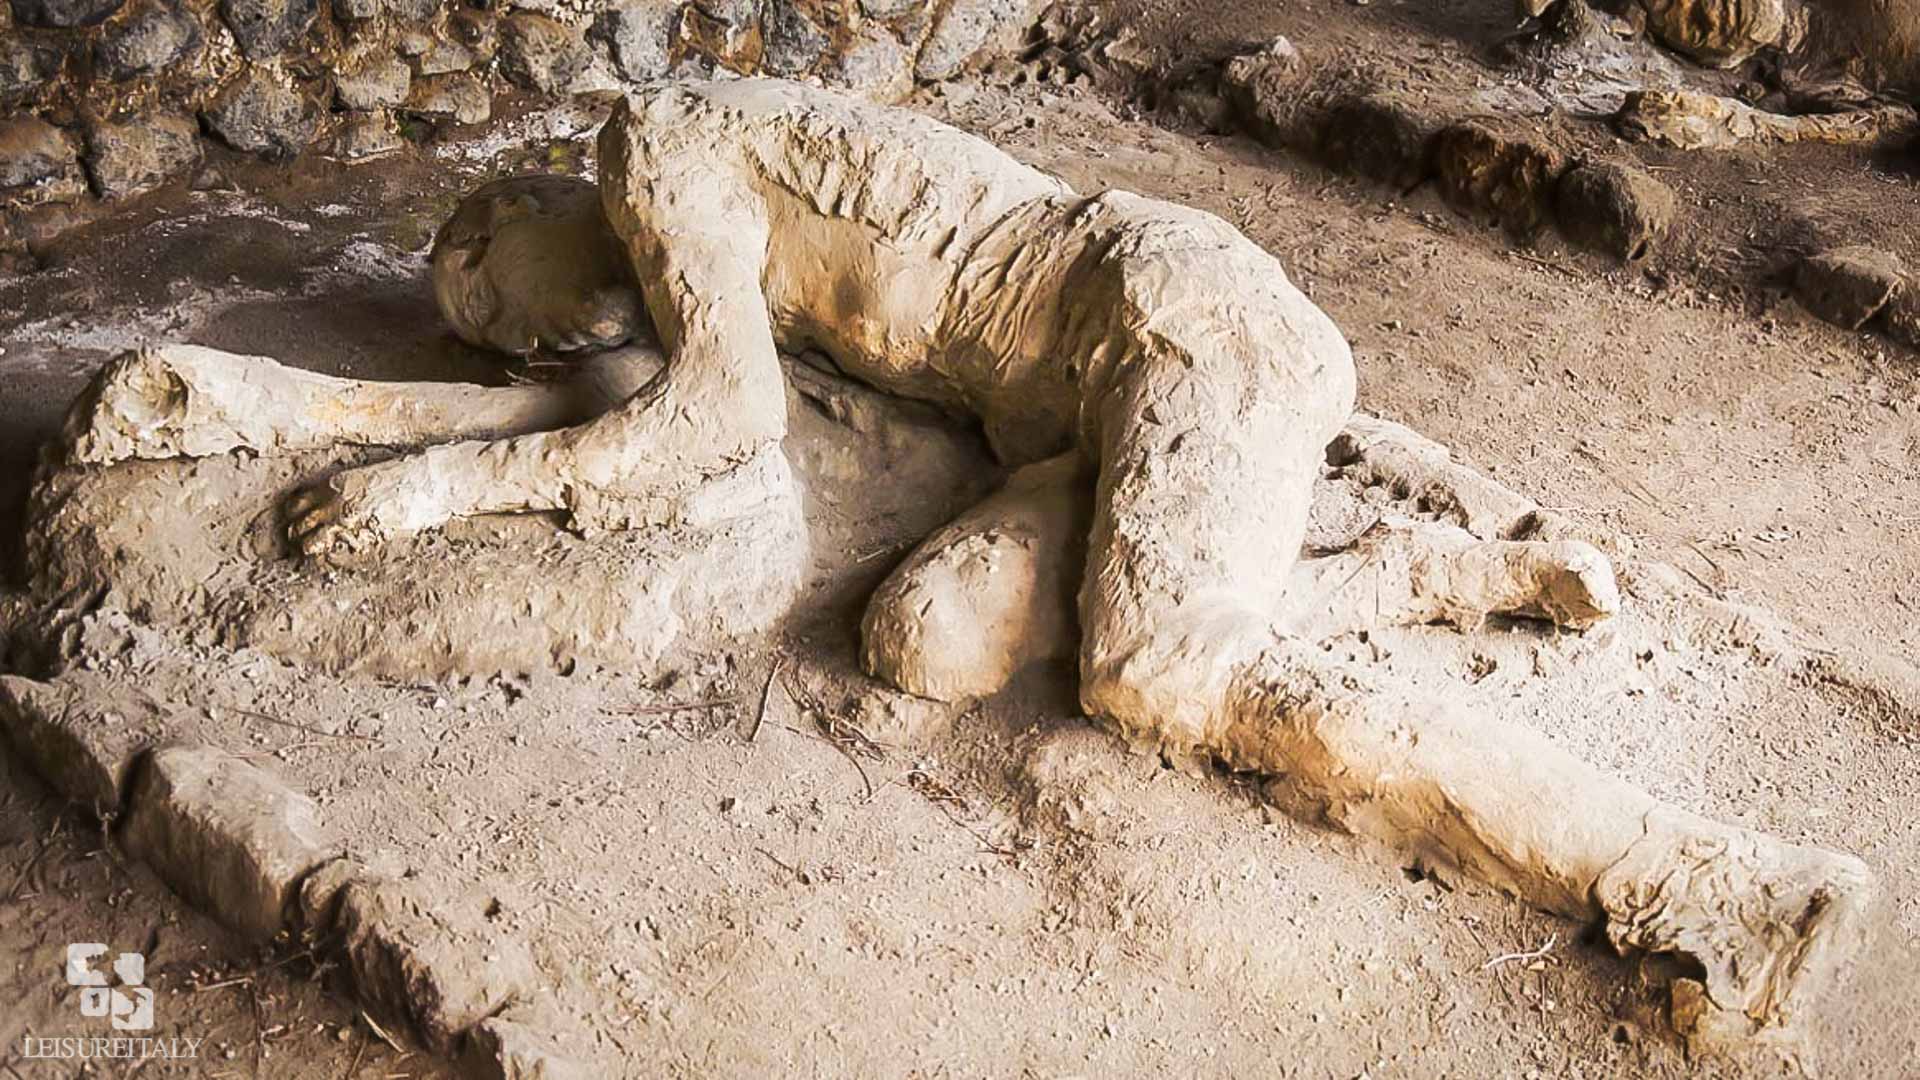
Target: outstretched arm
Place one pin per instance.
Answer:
(718, 401)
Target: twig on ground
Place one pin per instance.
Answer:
(259, 1039)
(1708, 559)
(855, 758)
(675, 707)
(766, 694)
(1498, 981)
(1632, 487)
(1554, 266)
(382, 1032)
(797, 875)
(839, 733)
(1713, 590)
(353, 1067)
(244, 980)
(884, 549)
(252, 715)
(1553, 939)
(944, 799)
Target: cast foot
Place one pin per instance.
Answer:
(1763, 920)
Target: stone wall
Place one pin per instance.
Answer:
(106, 99)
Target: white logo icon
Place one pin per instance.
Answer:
(129, 1005)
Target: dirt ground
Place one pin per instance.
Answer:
(713, 893)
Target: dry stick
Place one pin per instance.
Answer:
(1552, 940)
(879, 551)
(1708, 559)
(359, 1051)
(677, 707)
(382, 1032)
(1644, 494)
(944, 799)
(1498, 981)
(766, 694)
(775, 861)
(244, 980)
(839, 734)
(850, 756)
(1714, 590)
(290, 724)
(259, 1040)
(1538, 261)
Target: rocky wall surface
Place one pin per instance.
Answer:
(106, 99)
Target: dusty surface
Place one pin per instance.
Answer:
(259, 1013)
(721, 894)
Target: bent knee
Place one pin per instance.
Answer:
(1169, 677)
(962, 622)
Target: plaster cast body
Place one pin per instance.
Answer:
(1153, 354)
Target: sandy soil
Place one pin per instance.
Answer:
(717, 895)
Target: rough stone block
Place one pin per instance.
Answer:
(639, 36)
(876, 64)
(37, 163)
(731, 12)
(1719, 33)
(713, 37)
(1383, 137)
(413, 10)
(963, 29)
(1616, 209)
(367, 136)
(792, 43)
(460, 97)
(516, 1047)
(152, 39)
(470, 40)
(64, 13)
(225, 834)
(320, 893)
(1509, 179)
(895, 719)
(260, 114)
(81, 733)
(428, 966)
(540, 54)
(439, 56)
(371, 80)
(141, 153)
(1265, 89)
(1902, 318)
(1848, 286)
(25, 67)
(264, 28)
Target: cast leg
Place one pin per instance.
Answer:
(1407, 573)
(1763, 919)
(1209, 437)
(990, 593)
(1204, 484)
(993, 591)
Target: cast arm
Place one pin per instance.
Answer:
(718, 402)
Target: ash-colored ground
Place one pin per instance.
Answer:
(713, 893)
